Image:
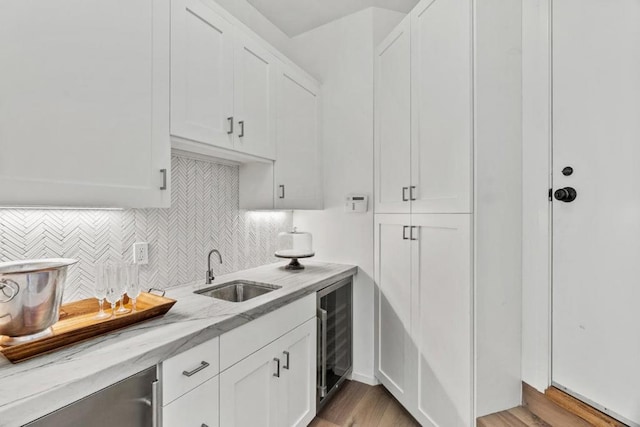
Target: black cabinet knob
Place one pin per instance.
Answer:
(567, 194)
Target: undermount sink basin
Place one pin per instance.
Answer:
(237, 291)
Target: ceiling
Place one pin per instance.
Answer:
(295, 17)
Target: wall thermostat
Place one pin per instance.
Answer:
(356, 203)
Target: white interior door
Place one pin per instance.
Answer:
(255, 98)
(201, 74)
(596, 237)
(393, 121)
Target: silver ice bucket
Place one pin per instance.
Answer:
(30, 297)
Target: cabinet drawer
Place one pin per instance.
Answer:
(188, 370)
(239, 343)
(197, 408)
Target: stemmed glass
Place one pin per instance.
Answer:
(114, 285)
(133, 284)
(100, 290)
(124, 284)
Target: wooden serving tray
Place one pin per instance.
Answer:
(78, 323)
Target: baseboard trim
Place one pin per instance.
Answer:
(366, 379)
(588, 413)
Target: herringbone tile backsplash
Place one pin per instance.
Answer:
(204, 214)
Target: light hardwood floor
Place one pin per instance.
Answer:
(360, 405)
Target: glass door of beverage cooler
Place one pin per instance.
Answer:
(334, 338)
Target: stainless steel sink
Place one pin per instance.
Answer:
(237, 291)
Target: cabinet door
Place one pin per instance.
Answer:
(442, 318)
(393, 121)
(394, 351)
(249, 391)
(255, 101)
(197, 408)
(441, 111)
(84, 103)
(201, 74)
(298, 167)
(298, 392)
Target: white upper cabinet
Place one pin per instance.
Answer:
(201, 74)
(255, 98)
(393, 121)
(441, 107)
(298, 168)
(84, 103)
(223, 84)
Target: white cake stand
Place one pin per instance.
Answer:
(294, 256)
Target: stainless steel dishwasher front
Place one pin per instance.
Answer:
(129, 403)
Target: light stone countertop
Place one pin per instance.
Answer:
(36, 387)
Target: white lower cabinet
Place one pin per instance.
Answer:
(267, 374)
(393, 305)
(275, 385)
(198, 408)
(424, 335)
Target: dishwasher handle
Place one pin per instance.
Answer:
(322, 351)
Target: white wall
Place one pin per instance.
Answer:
(536, 268)
(498, 204)
(340, 55)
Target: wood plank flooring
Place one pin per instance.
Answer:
(361, 405)
(515, 417)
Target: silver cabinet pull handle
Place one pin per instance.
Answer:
(411, 234)
(203, 365)
(411, 194)
(230, 131)
(286, 365)
(155, 404)
(241, 123)
(164, 179)
(404, 232)
(322, 335)
(277, 372)
(281, 187)
(404, 194)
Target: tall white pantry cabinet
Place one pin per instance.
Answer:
(448, 210)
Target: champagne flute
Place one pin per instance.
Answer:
(133, 284)
(124, 284)
(114, 280)
(100, 290)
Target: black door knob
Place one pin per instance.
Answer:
(566, 194)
